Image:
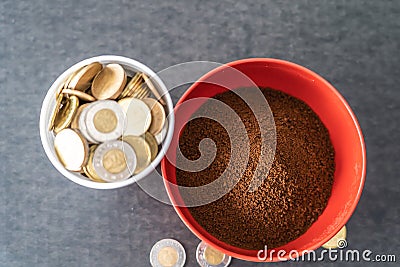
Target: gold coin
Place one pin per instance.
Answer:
(66, 113)
(336, 241)
(142, 151)
(133, 84)
(65, 83)
(56, 110)
(88, 168)
(151, 140)
(105, 120)
(153, 88)
(141, 92)
(145, 93)
(130, 85)
(167, 256)
(68, 80)
(75, 120)
(157, 115)
(213, 256)
(60, 88)
(71, 149)
(109, 82)
(83, 77)
(114, 161)
(136, 88)
(79, 94)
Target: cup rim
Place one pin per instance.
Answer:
(355, 123)
(44, 133)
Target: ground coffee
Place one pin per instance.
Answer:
(295, 191)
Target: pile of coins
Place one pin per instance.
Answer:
(107, 126)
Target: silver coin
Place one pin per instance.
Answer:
(82, 124)
(138, 116)
(216, 258)
(161, 135)
(118, 118)
(167, 252)
(123, 168)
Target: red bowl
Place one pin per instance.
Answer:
(335, 113)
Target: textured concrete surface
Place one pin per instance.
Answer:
(46, 220)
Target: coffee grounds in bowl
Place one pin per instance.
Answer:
(295, 191)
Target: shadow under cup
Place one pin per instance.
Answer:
(334, 112)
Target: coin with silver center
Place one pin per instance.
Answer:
(167, 253)
(138, 116)
(105, 120)
(114, 161)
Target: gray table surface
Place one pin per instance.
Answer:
(46, 220)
